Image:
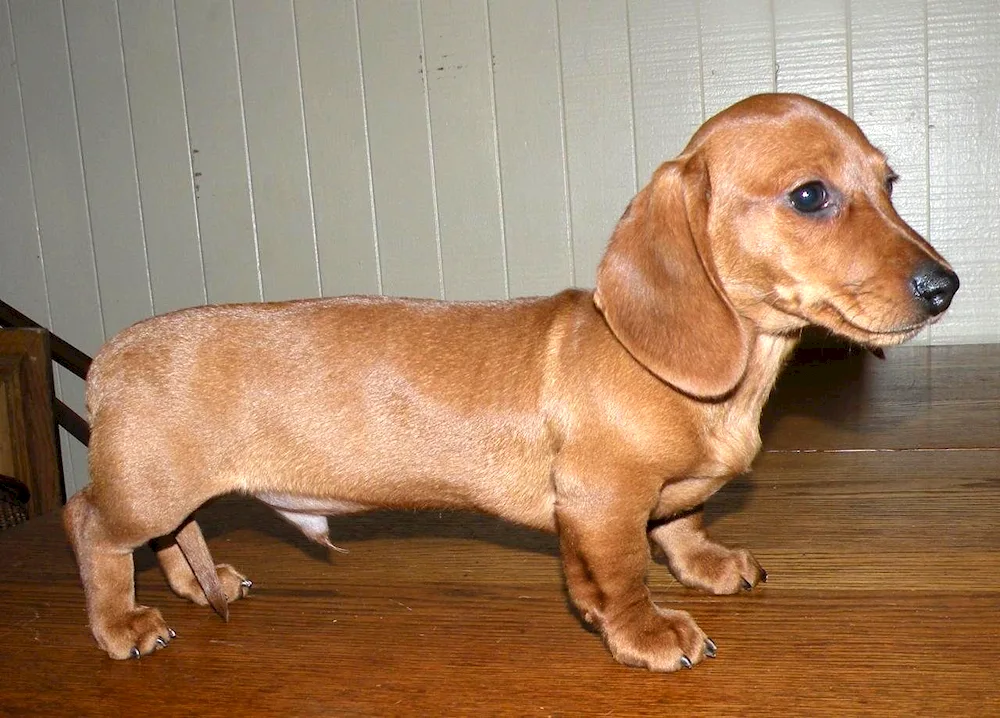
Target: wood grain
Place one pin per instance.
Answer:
(6, 433)
(883, 590)
(918, 398)
(26, 373)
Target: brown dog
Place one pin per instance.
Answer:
(608, 417)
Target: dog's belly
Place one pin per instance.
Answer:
(311, 505)
(508, 480)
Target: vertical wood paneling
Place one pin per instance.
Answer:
(123, 136)
(666, 79)
(272, 105)
(964, 119)
(22, 277)
(433, 147)
(810, 38)
(460, 96)
(95, 48)
(71, 389)
(599, 125)
(392, 58)
(54, 150)
(529, 112)
(162, 153)
(333, 99)
(61, 201)
(211, 85)
(890, 95)
(737, 43)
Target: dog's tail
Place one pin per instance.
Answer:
(195, 550)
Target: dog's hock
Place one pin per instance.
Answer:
(195, 550)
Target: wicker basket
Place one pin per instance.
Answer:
(13, 502)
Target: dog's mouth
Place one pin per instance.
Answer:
(869, 331)
(846, 319)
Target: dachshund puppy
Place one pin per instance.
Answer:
(606, 416)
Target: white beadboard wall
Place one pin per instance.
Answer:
(156, 154)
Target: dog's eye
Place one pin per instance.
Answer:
(810, 197)
(889, 182)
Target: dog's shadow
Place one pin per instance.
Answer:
(232, 514)
(825, 380)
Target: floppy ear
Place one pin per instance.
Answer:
(659, 291)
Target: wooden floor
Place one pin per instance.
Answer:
(875, 509)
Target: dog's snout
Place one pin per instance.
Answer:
(934, 286)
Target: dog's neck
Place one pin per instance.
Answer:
(734, 423)
(767, 357)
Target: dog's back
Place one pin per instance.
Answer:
(365, 397)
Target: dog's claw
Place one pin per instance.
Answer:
(710, 648)
(246, 583)
(745, 584)
(160, 642)
(686, 662)
(134, 653)
(763, 576)
(172, 633)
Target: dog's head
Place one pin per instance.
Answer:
(778, 214)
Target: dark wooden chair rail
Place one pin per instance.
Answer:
(64, 354)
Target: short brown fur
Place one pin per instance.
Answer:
(608, 417)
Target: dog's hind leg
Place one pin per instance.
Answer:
(188, 566)
(104, 553)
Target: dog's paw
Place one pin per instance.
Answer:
(659, 640)
(234, 584)
(713, 568)
(136, 633)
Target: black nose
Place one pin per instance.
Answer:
(934, 286)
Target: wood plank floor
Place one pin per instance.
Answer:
(874, 507)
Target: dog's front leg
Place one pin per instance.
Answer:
(605, 556)
(699, 562)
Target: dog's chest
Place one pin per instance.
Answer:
(732, 428)
(731, 446)
(726, 449)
